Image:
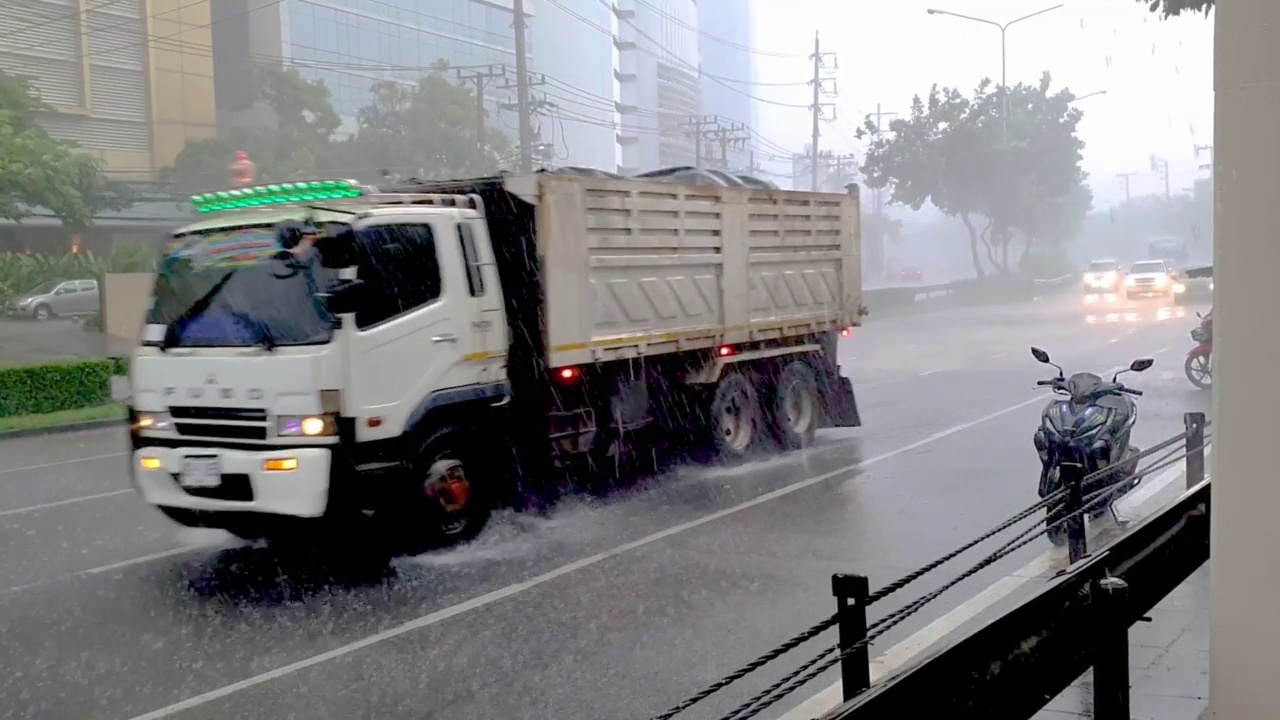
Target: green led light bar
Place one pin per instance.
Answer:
(276, 194)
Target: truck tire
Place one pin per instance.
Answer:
(796, 406)
(735, 417)
(442, 505)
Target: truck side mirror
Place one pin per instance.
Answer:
(344, 297)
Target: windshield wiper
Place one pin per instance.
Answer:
(196, 309)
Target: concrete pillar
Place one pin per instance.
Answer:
(1245, 634)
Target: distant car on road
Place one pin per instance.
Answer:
(1103, 276)
(56, 298)
(1151, 278)
(911, 275)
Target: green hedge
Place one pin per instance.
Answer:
(53, 387)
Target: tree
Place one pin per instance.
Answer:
(996, 175)
(430, 130)
(293, 143)
(39, 171)
(1173, 8)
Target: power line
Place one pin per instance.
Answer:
(59, 18)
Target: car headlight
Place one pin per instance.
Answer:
(1162, 280)
(24, 301)
(152, 421)
(306, 426)
(1179, 287)
(1131, 281)
(1090, 278)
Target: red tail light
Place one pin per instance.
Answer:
(846, 332)
(567, 374)
(724, 350)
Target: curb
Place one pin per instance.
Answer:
(61, 429)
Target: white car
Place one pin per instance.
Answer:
(1103, 276)
(1151, 278)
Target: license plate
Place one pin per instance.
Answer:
(201, 471)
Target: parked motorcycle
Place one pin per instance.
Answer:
(1199, 364)
(1090, 425)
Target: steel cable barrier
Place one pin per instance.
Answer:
(853, 597)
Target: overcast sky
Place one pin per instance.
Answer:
(1157, 73)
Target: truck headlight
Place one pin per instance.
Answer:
(152, 421)
(306, 426)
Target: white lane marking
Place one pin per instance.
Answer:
(904, 652)
(494, 596)
(139, 560)
(997, 356)
(57, 463)
(929, 372)
(60, 503)
(105, 568)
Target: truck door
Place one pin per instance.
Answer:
(413, 335)
(489, 323)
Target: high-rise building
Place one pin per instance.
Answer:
(728, 70)
(657, 87)
(576, 54)
(350, 44)
(130, 81)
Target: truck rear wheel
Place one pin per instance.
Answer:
(447, 501)
(735, 416)
(796, 406)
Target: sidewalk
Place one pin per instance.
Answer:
(1168, 662)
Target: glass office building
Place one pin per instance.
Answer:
(349, 44)
(657, 82)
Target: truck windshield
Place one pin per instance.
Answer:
(226, 288)
(1147, 267)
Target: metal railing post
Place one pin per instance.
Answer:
(851, 593)
(1194, 422)
(1072, 475)
(1111, 652)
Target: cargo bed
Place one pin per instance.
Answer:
(635, 268)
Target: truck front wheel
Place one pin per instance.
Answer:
(448, 502)
(796, 406)
(735, 417)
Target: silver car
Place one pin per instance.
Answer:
(56, 298)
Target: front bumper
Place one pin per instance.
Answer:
(15, 310)
(245, 485)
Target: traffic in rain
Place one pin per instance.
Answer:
(588, 361)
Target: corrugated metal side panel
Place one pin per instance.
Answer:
(98, 132)
(39, 39)
(639, 267)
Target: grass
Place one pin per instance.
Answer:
(110, 411)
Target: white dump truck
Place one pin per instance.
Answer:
(417, 355)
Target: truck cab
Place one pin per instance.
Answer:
(256, 397)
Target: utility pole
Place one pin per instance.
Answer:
(697, 127)
(819, 59)
(838, 163)
(1125, 177)
(1161, 166)
(1209, 165)
(479, 76)
(734, 134)
(876, 196)
(522, 89)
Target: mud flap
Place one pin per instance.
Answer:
(839, 402)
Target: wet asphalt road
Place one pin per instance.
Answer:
(608, 610)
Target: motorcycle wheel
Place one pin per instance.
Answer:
(1199, 371)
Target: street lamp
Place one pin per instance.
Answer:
(1004, 85)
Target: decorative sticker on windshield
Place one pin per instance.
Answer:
(224, 248)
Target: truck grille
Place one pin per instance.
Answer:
(220, 422)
